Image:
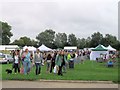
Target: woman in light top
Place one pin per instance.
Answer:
(16, 62)
(38, 61)
(26, 61)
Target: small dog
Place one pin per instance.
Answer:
(9, 71)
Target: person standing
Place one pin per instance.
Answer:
(16, 62)
(60, 61)
(38, 62)
(53, 62)
(82, 57)
(44, 58)
(69, 57)
(13, 64)
(26, 61)
(48, 60)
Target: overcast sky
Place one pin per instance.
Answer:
(81, 17)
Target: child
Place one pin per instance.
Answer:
(110, 63)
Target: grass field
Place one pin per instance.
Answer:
(90, 70)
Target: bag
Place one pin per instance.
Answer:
(48, 61)
(21, 70)
(55, 69)
(23, 58)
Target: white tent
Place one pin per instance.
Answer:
(2, 47)
(44, 48)
(25, 47)
(111, 48)
(96, 54)
(30, 48)
(100, 49)
(90, 49)
(9, 47)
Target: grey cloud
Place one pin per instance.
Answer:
(80, 18)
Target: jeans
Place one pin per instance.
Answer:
(27, 65)
(38, 68)
(48, 65)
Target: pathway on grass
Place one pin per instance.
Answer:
(45, 84)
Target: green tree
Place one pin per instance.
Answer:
(72, 40)
(81, 43)
(27, 41)
(110, 40)
(46, 37)
(88, 40)
(34, 43)
(23, 41)
(60, 40)
(96, 39)
(19, 42)
(6, 32)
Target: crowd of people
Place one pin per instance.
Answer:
(58, 60)
(55, 61)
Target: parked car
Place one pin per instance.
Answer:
(1, 53)
(6, 58)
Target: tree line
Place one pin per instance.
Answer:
(58, 40)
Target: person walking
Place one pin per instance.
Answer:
(60, 61)
(38, 62)
(16, 62)
(65, 63)
(26, 61)
(53, 62)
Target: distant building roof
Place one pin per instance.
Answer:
(70, 47)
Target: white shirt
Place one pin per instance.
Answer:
(16, 59)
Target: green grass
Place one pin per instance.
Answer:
(90, 70)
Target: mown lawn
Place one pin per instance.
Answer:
(90, 70)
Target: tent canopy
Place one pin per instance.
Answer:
(2, 48)
(9, 47)
(100, 48)
(30, 48)
(111, 48)
(96, 52)
(44, 48)
(25, 47)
